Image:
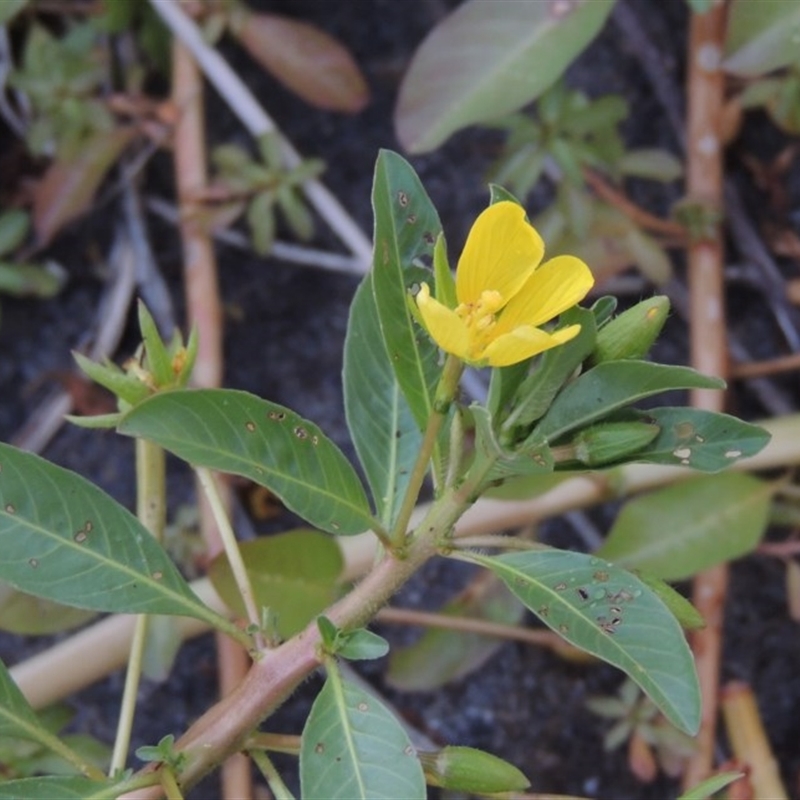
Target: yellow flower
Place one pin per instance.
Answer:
(503, 293)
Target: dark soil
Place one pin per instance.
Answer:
(284, 337)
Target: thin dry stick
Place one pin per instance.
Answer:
(773, 366)
(635, 213)
(242, 102)
(205, 312)
(484, 627)
(708, 335)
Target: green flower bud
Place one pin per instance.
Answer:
(632, 333)
(465, 769)
(611, 441)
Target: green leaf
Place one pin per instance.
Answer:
(353, 748)
(610, 613)
(159, 361)
(441, 655)
(652, 164)
(14, 225)
(63, 787)
(10, 8)
(711, 786)
(386, 437)
(362, 645)
(688, 616)
(675, 532)
(24, 613)
(17, 718)
(613, 385)
(489, 59)
(64, 539)
(406, 229)
(237, 432)
(536, 393)
(294, 574)
(761, 37)
(704, 440)
(32, 280)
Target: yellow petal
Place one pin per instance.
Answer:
(501, 252)
(524, 342)
(556, 286)
(446, 328)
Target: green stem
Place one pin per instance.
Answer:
(52, 742)
(232, 551)
(445, 394)
(169, 783)
(275, 742)
(273, 778)
(151, 504)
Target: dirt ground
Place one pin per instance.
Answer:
(285, 329)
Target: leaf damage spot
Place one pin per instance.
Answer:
(559, 587)
(363, 707)
(300, 432)
(733, 453)
(276, 416)
(402, 198)
(411, 219)
(88, 526)
(10, 509)
(33, 562)
(429, 238)
(80, 537)
(601, 576)
(561, 8)
(319, 748)
(409, 751)
(582, 593)
(315, 440)
(251, 426)
(158, 575)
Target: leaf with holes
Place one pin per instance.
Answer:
(354, 749)
(611, 386)
(486, 60)
(703, 440)
(237, 432)
(678, 531)
(406, 227)
(64, 539)
(383, 429)
(610, 613)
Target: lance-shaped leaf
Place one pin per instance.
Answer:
(406, 228)
(704, 440)
(383, 429)
(610, 613)
(611, 386)
(489, 59)
(354, 749)
(64, 539)
(237, 432)
(64, 787)
(677, 531)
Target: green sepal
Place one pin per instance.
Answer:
(603, 309)
(445, 282)
(498, 194)
(632, 333)
(536, 393)
(534, 458)
(159, 363)
(362, 645)
(467, 769)
(329, 632)
(126, 387)
(688, 616)
(96, 421)
(612, 441)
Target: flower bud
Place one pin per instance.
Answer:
(632, 333)
(465, 769)
(611, 441)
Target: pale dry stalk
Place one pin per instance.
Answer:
(204, 311)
